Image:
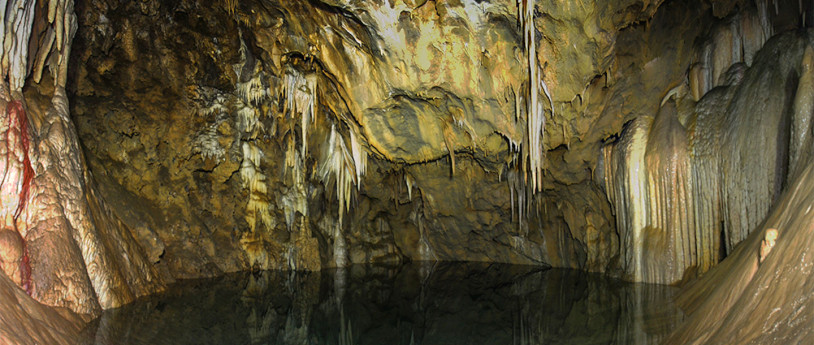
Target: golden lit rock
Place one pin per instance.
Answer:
(150, 141)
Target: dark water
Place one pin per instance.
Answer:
(443, 303)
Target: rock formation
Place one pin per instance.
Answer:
(150, 141)
(70, 250)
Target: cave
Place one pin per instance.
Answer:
(296, 162)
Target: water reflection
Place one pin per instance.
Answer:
(444, 303)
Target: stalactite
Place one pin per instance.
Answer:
(231, 6)
(206, 143)
(763, 14)
(42, 56)
(339, 166)
(294, 200)
(626, 188)
(251, 94)
(410, 182)
(19, 20)
(735, 41)
(535, 110)
(417, 215)
(528, 163)
(359, 158)
(717, 179)
(300, 92)
(257, 208)
(449, 142)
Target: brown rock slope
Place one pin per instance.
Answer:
(23, 320)
(744, 301)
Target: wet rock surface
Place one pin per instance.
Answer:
(642, 139)
(428, 100)
(752, 301)
(23, 320)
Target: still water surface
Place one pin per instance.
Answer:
(421, 303)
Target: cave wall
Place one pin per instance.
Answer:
(316, 134)
(61, 243)
(428, 105)
(625, 137)
(677, 177)
(760, 293)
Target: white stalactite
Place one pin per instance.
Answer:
(340, 165)
(18, 54)
(300, 94)
(535, 110)
(249, 97)
(359, 158)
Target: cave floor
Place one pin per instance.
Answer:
(417, 303)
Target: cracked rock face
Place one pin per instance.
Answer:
(615, 136)
(60, 243)
(304, 135)
(315, 134)
(221, 118)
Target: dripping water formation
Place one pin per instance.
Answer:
(406, 171)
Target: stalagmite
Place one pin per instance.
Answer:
(16, 182)
(767, 244)
(670, 240)
(664, 202)
(705, 154)
(754, 146)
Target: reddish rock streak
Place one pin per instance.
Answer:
(16, 112)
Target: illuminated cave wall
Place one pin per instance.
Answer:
(306, 135)
(317, 134)
(59, 241)
(181, 139)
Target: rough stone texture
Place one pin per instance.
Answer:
(675, 181)
(748, 302)
(308, 134)
(238, 102)
(346, 131)
(70, 250)
(23, 320)
(81, 256)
